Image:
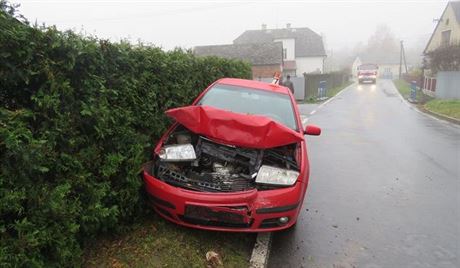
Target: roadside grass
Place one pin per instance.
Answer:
(155, 242)
(404, 88)
(450, 108)
(330, 92)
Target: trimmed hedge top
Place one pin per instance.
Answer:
(78, 117)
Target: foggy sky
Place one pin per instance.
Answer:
(186, 24)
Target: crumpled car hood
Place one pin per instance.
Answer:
(243, 130)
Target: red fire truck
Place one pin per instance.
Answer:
(367, 73)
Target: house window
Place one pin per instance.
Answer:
(284, 53)
(447, 22)
(445, 38)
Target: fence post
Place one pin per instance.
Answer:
(322, 90)
(413, 91)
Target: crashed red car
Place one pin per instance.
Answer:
(235, 160)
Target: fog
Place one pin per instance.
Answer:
(344, 25)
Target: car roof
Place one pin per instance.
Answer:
(253, 84)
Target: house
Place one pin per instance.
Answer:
(442, 81)
(447, 31)
(355, 65)
(265, 58)
(388, 65)
(303, 49)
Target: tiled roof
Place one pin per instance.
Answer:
(308, 43)
(256, 54)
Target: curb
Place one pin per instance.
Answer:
(261, 251)
(440, 118)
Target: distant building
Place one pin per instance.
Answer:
(447, 31)
(292, 51)
(388, 66)
(265, 58)
(303, 49)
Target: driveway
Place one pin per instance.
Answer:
(384, 187)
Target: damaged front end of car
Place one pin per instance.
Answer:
(194, 162)
(205, 175)
(205, 161)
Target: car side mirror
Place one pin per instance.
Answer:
(312, 130)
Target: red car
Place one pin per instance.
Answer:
(235, 160)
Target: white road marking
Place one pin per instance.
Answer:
(418, 111)
(304, 121)
(326, 102)
(261, 251)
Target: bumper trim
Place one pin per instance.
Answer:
(276, 209)
(161, 202)
(214, 223)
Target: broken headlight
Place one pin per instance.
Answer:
(178, 152)
(276, 176)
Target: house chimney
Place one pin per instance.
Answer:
(264, 26)
(288, 26)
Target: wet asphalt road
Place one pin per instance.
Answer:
(384, 187)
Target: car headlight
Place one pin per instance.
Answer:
(276, 176)
(178, 152)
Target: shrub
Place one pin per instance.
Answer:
(446, 58)
(78, 117)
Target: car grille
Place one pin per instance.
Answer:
(234, 217)
(204, 183)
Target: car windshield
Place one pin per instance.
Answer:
(251, 101)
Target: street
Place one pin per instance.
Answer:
(384, 187)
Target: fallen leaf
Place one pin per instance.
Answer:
(213, 259)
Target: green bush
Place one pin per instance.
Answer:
(78, 117)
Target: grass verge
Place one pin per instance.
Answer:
(450, 108)
(404, 88)
(439, 108)
(330, 92)
(155, 242)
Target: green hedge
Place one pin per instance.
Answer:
(78, 117)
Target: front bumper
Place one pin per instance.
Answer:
(363, 78)
(249, 211)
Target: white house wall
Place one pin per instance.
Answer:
(453, 25)
(309, 65)
(289, 45)
(354, 67)
(390, 70)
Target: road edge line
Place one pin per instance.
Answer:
(336, 95)
(415, 108)
(261, 250)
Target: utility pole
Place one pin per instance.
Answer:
(404, 56)
(400, 58)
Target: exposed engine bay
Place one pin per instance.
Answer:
(194, 162)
